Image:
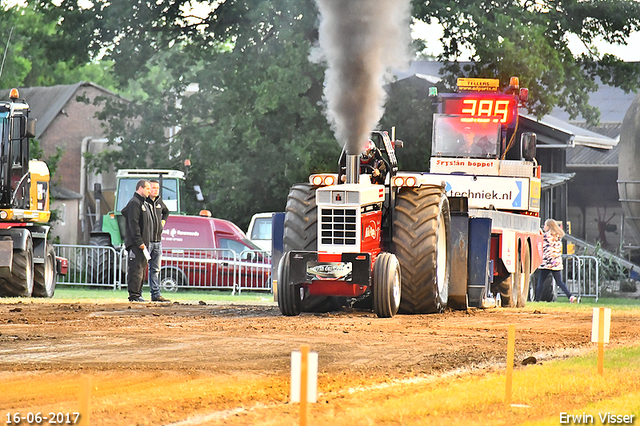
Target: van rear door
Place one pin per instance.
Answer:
(242, 263)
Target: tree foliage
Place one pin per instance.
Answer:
(530, 39)
(255, 124)
(34, 56)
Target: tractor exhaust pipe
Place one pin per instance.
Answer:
(353, 166)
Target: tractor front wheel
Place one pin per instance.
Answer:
(301, 233)
(386, 285)
(288, 295)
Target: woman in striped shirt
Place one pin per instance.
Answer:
(552, 259)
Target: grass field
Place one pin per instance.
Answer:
(546, 393)
(543, 395)
(262, 297)
(64, 293)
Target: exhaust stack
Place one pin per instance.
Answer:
(353, 166)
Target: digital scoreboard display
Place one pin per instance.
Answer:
(475, 106)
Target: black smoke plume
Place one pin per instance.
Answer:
(361, 40)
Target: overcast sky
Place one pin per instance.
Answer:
(629, 53)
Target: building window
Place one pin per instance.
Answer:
(62, 216)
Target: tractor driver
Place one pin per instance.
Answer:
(371, 162)
(470, 145)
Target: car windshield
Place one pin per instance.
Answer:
(455, 136)
(237, 246)
(261, 229)
(127, 186)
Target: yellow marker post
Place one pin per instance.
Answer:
(304, 363)
(600, 327)
(601, 341)
(85, 401)
(510, 353)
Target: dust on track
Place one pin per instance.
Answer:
(239, 355)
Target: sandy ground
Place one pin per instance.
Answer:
(188, 364)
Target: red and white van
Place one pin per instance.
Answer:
(201, 251)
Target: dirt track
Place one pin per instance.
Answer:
(153, 364)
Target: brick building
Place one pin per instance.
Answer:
(67, 120)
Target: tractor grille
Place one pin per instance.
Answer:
(338, 226)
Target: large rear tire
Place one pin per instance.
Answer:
(386, 285)
(45, 274)
(421, 233)
(301, 233)
(20, 282)
(100, 260)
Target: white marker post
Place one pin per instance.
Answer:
(304, 379)
(600, 326)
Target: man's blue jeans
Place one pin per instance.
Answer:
(155, 250)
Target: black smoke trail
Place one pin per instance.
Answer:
(361, 40)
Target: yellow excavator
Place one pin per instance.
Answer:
(28, 264)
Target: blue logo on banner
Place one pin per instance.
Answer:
(447, 187)
(517, 202)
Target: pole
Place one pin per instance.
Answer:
(304, 364)
(85, 401)
(510, 354)
(600, 341)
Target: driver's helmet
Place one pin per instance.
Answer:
(369, 150)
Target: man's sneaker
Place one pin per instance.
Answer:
(136, 299)
(159, 299)
(573, 299)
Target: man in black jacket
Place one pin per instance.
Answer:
(159, 214)
(137, 212)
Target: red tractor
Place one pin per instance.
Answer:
(477, 208)
(349, 240)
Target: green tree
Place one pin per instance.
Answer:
(529, 39)
(255, 124)
(410, 109)
(33, 57)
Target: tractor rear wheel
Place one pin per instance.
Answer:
(386, 285)
(100, 260)
(20, 282)
(420, 239)
(44, 279)
(301, 233)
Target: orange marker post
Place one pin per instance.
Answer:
(304, 364)
(510, 354)
(85, 401)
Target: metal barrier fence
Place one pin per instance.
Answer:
(179, 268)
(90, 265)
(582, 275)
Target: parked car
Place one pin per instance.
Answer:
(200, 251)
(259, 231)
